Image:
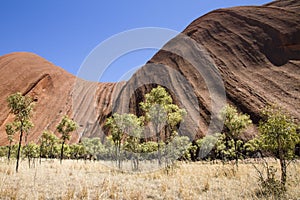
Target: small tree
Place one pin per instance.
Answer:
(10, 131)
(224, 147)
(21, 106)
(31, 151)
(77, 151)
(93, 147)
(279, 136)
(176, 149)
(206, 145)
(65, 127)
(121, 126)
(162, 114)
(235, 123)
(47, 143)
(135, 127)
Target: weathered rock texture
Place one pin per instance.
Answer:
(56, 93)
(255, 49)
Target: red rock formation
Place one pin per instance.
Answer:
(54, 93)
(256, 50)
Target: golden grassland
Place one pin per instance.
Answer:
(93, 180)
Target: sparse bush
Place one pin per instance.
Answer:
(47, 142)
(21, 106)
(65, 127)
(31, 151)
(234, 125)
(3, 151)
(149, 150)
(269, 185)
(279, 136)
(76, 151)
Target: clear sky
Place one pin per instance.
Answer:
(66, 31)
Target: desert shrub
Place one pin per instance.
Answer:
(270, 186)
(235, 124)
(76, 151)
(47, 142)
(31, 151)
(3, 151)
(149, 150)
(278, 135)
(95, 149)
(176, 148)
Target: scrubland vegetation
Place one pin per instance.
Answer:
(128, 164)
(93, 180)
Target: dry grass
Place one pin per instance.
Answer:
(93, 180)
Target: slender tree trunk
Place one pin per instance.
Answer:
(137, 162)
(29, 159)
(119, 155)
(50, 155)
(158, 144)
(41, 149)
(19, 147)
(283, 167)
(62, 152)
(116, 154)
(236, 154)
(9, 152)
(282, 162)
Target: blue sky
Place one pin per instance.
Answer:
(66, 31)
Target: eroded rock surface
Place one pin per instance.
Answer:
(254, 49)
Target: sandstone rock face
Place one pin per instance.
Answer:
(247, 56)
(56, 93)
(255, 50)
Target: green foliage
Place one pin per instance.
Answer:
(278, 132)
(160, 110)
(65, 127)
(13, 151)
(176, 148)
(252, 146)
(47, 143)
(94, 148)
(148, 147)
(134, 133)
(3, 151)
(225, 148)
(191, 154)
(279, 135)
(148, 150)
(125, 126)
(10, 131)
(206, 145)
(235, 123)
(21, 106)
(31, 150)
(162, 114)
(158, 96)
(67, 151)
(116, 128)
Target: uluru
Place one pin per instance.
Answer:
(150, 99)
(255, 49)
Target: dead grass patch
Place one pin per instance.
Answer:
(93, 180)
